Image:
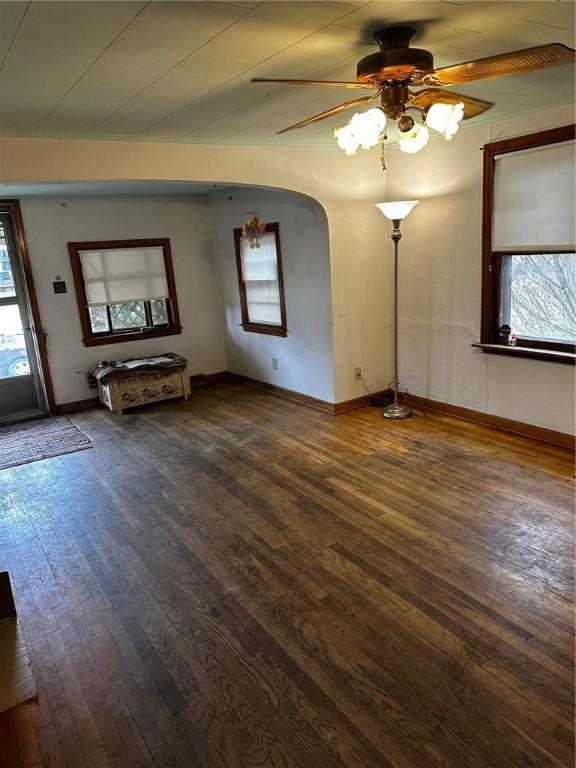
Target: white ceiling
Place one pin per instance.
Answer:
(180, 71)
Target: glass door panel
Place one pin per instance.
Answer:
(21, 386)
(7, 287)
(13, 354)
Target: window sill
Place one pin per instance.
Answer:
(270, 330)
(119, 338)
(552, 355)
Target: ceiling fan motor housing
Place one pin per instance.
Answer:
(394, 98)
(395, 61)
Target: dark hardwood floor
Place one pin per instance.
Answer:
(241, 581)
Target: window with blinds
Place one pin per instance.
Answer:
(529, 242)
(261, 283)
(125, 289)
(534, 199)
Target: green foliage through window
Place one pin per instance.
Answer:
(98, 319)
(129, 316)
(159, 311)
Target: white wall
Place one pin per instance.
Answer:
(440, 285)
(440, 255)
(345, 187)
(360, 291)
(305, 358)
(51, 223)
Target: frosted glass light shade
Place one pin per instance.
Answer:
(413, 140)
(346, 139)
(364, 130)
(445, 118)
(397, 210)
(368, 126)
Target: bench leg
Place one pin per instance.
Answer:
(116, 403)
(185, 384)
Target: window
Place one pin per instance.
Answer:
(261, 283)
(7, 287)
(539, 296)
(529, 253)
(125, 290)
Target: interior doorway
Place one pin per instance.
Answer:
(23, 391)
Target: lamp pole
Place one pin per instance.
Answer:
(396, 212)
(400, 410)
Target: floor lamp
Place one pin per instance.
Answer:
(396, 212)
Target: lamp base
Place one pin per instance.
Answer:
(396, 411)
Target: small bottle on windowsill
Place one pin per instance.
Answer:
(504, 333)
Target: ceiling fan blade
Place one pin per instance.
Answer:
(504, 64)
(428, 96)
(329, 112)
(329, 83)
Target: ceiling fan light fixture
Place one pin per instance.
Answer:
(445, 118)
(413, 139)
(391, 72)
(346, 139)
(364, 130)
(368, 127)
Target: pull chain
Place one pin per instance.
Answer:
(383, 154)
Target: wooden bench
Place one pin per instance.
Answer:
(120, 393)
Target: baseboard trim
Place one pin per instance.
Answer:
(210, 378)
(287, 394)
(542, 434)
(298, 397)
(352, 405)
(201, 379)
(357, 402)
(76, 406)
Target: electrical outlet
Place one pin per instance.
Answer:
(274, 363)
(357, 374)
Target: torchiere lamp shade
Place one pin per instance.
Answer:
(397, 210)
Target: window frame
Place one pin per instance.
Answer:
(250, 327)
(92, 338)
(492, 259)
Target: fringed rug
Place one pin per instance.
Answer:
(35, 440)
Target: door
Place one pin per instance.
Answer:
(22, 393)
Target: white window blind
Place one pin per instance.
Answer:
(124, 274)
(260, 272)
(534, 198)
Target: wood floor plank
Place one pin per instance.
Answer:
(240, 581)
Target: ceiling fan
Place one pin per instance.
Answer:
(390, 72)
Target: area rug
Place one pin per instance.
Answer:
(35, 440)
